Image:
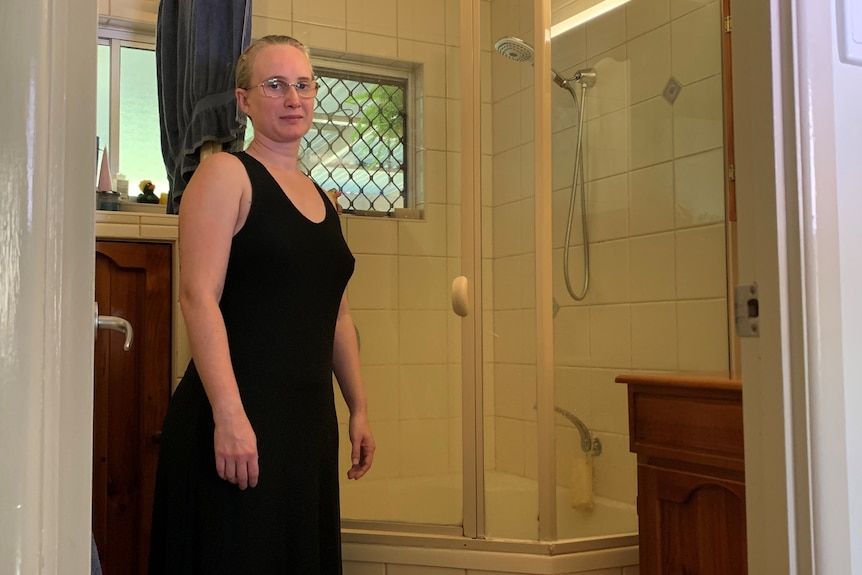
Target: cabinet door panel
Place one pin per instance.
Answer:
(132, 390)
(690, 524)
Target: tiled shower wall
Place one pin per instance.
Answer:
(654, 175)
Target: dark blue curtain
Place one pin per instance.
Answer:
(197, 45)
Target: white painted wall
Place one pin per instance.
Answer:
(47, 171)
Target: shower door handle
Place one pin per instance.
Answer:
(461, 296)
(113, 323)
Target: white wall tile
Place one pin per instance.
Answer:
(703, 344)
(281, 9)
(453, 178)
(697, 44)
(651, 199)
(700, 189)
(507, 177)
(609, 272)
(572, 336)
(270, 25)
(511, 393)
(607, 146)
(609, 399)
(331, 13)
(319, 37)
(432, 57)
(646, 15)
(434, 123)
(610, 92)
(576, 278)
(653, 267)
(679, 8)
(564, 146)
(422, 337)
(423, 283)
(366, 236)
(453, 234)
(374, 284)
(615, 471)
(453, 22)
(649, 64)
(424, 447)
(698, 123)
(381, 385)
(509, 436)
(423, 391)
(606, 32)
(701, 263)
(652, 133)
(610, 336)
(607, 208)
(654, 336)
(378, 332)
(453, 72)
(361, 43)
(506, 123)
(373, 17)
(569, 50)
(507, 282)
(426, 238)
(423, 21)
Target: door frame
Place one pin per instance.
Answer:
(46, 317)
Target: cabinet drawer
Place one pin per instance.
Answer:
(695, 425)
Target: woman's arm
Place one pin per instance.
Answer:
(214, 205)
(345, 364)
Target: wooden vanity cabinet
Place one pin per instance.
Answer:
(688, 438)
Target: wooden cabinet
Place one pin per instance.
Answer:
(687, 434)
(132, 390)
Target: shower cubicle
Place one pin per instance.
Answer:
(571, 182)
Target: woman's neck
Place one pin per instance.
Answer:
(284, 157)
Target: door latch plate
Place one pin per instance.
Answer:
(747, 310)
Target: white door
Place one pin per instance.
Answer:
(47, 174)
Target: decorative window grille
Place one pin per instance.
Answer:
(358, 141)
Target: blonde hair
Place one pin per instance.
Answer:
(246, 61)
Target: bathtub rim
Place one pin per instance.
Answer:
(452, 537)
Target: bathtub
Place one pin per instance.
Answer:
(602, 539)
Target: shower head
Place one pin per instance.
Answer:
(514, 49)
(519, 51)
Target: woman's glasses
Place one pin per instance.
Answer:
(277, 88)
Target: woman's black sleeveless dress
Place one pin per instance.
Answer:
(282, 290)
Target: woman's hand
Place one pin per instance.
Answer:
(363, 446)
(236, 452)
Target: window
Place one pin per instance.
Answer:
(358, 142)
(128, 111)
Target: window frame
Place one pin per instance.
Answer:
(116, 39)
(401, 71)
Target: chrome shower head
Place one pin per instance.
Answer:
(514, 49)
(519, 51)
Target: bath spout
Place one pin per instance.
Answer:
(589, 444)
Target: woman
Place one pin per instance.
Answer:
(247, 480)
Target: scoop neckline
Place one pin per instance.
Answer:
(319, 190)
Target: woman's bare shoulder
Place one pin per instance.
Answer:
(221, 173)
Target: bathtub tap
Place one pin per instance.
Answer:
(589, 444)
